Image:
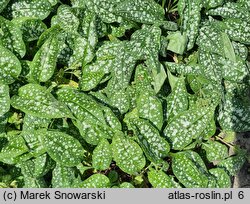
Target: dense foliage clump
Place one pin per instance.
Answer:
(123, 93)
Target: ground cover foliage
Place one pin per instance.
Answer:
(123, 93)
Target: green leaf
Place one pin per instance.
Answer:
(143, 11)
(36, 167)
(159, 179)
(177, 100)
(127, 154)
(34, 123)
(102, 155)
(212, 3)
(83, 51)
(3, 4)
(11, 37)
(234, 114)
(189, 11)
(34, 182)
(67, 19)
(11, 147)
(177, 42)
(63, 148)
(31, 28)
(42, 165)
(105, 9)
(146, 42)
(154, 146)
(33, 8)
(233, 164)
(190, 169)
(44, 62)
(4, 99)
(10, 67)
(231, 10)
(215, 151)
(120, 99)
(126, 185)
(88, 112)
(63, 177)
(96, 181)
(187, 125)
(150, 107)
(35, 100)
(223, 180)
(158, 73)
(238, 30)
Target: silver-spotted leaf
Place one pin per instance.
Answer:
(222, 179)
(234, 114)
(32, 8)
(188, 125)
(4, 99)
(231, 10)
(121, 100)
(34, 123)
(10, 66)
(177, 100)
(3, 4)
(44, 62)
(159, 179)
(233, 164)
(11, 146)
(142, 11)
(215, 151)
(238, 30)
(11, 37)
(190, 169)
(37, 101)
(63, 177)
(189, 11)
(31, 28)
(102, 155)
(150, 108)
(96, 181)
(63, 148)
(154, 146)
(127, 154)
(67, 19)
(88, 112)
(105, 9)
(126, 185)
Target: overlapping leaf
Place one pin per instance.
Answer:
(159, 179)
(11, 37)
(4, 99)
(88, 112)
(33, 8)
(215, 151)
(190, 169)
(63, 148)
(187, 125)
(154, 146)
(96, 181)
(36, 101)
(102, 155)
(31, 28)
(127, 154)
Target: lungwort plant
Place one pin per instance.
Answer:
(123, 93)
